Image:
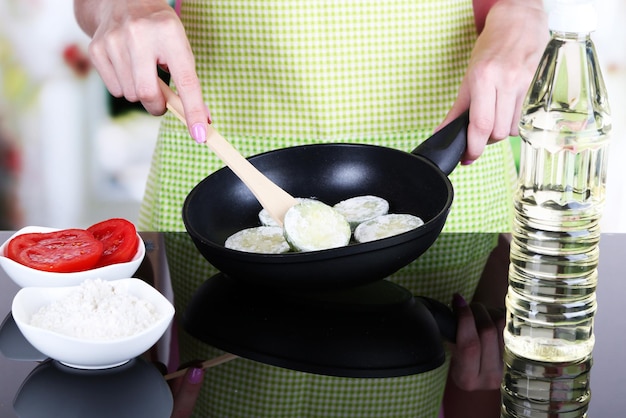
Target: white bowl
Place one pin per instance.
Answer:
(25, 276)
(89, 353)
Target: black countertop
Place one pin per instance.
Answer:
(607, 374)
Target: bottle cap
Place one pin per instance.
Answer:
(574, 16)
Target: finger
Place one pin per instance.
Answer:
(504, 115)
(146, 86)
(498, 316)
(116, 50)
(490, 373)
(516, 116)
(144, 66)
(124, 73)
(467, 351)
(196, 112)
(175, 383)
(188, 87)
(187, 390)
(104, 67)
(481, 123)
(461, 104)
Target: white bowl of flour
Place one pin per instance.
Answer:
(98, 324)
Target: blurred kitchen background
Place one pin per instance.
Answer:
(71, 155)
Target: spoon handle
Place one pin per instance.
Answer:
(216, 361)
(274, 199)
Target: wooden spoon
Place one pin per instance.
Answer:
(274, 199)
(207, 364)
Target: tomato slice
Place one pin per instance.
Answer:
(64, 251)
(120, 239)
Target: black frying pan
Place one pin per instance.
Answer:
(416, 183)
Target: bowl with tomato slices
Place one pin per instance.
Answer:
(52, 257)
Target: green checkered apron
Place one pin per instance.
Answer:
(287, 72)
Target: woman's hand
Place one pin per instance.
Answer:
(185, 390)
(476, 362)
(476, 365)
(502, 65)
(130, 39)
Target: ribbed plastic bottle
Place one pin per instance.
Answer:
(536, 389)
(565, 127)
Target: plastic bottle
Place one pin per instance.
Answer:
(564, 127)
(545, 389)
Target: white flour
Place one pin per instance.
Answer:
(359, 209)
(312, 225)
(97, 310)
(260, 239)
(386, 226)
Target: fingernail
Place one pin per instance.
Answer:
(458, 301)
(195, 375)
(198, 133)
(467, 162)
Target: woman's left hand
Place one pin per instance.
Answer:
(185, 390)
(476, 362)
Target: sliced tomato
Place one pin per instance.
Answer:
(64, 251)
(120, 240)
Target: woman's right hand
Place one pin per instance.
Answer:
(130, 39)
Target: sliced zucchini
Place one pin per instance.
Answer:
(260, 239)
(386, 226)
(359, 209)
(312, 225)
(266, 219)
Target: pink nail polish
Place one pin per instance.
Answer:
(467, 162)
(198, 133)
(195, 375)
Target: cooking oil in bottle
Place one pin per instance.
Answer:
(564, 127)
(538, 389)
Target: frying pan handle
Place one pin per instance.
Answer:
(446, 146)
(445, 318)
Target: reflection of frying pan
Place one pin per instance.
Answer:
(414, 183)
(375, 330)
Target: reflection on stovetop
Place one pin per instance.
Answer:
(133, 389)
(374, 330)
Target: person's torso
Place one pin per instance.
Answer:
(284, 73)
(329, 70)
